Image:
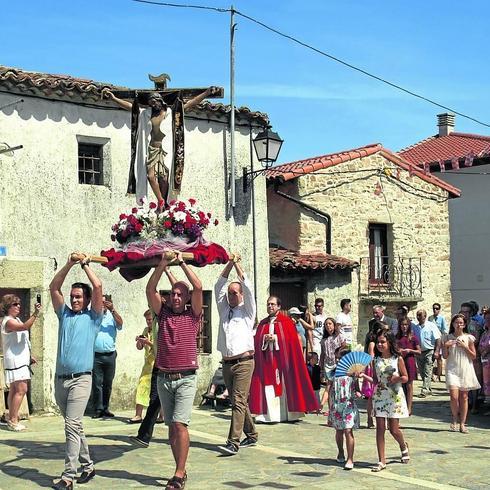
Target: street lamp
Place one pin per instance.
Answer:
(267, 145)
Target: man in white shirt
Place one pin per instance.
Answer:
(236, 307)
(318, 320)
(345, 321)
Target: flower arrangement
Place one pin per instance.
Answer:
(183, 218)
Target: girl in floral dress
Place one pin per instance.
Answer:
(331, 341)
(459, 351)
(388, 399)
(344, 414)
(408, 346)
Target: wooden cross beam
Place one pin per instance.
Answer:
(187, 93)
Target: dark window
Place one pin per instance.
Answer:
(378, 254)
(90, 164)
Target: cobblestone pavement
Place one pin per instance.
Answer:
(300, 455)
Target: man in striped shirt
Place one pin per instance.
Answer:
(176, 358)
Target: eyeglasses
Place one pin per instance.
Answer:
(435, 308)
(15, 304)
(271, 304)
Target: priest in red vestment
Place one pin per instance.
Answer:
(281, 389)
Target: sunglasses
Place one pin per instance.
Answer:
(15, 304)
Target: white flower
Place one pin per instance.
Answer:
(179, 216)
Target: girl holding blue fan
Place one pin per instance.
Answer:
(389, 400)
(344, 414)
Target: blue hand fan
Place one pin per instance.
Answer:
(352, 363)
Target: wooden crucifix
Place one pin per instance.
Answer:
(163, 117)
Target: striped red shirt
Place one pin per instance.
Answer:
(176, 344)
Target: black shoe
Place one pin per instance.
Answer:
(248, 442)
(139, 442)
(62, 484)
(228, 449)
(97, 415)
(86, 476)
(106, 413)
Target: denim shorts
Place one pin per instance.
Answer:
(177, 398)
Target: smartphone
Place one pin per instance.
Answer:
(108, 297)
(38, 299)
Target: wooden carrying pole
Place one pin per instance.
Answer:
(153, 262)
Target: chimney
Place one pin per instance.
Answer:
(446, 123)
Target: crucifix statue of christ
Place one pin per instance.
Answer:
(157, 135)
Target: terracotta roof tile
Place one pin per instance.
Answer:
(444, 148)
(289, 171)
(65, 86)
(288, 260)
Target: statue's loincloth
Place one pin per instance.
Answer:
(156, 159)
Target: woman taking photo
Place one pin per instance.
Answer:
(16, 353)
(459, 351)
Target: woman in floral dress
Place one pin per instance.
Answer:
(388, 399)
(344, 414)
(484, 348)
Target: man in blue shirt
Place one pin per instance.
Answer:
(105, 359)
(78, 328)
(429, 338)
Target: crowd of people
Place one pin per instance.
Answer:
(273, 371)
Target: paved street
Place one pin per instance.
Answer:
(300, 455)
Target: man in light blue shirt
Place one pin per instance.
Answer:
(78, 328)
(105, 359)
(429, 338)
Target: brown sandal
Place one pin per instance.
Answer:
(176, 482)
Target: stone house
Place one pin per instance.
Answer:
(462, 160)
(359, 224)
(66, 186)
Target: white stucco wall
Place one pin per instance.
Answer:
(469, 225)
(45, 214)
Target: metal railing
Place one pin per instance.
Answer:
(391, 276)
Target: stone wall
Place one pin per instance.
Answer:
(418, 227)
(45, 214)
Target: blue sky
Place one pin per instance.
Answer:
(436, 48)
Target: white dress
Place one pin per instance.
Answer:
(16, 353)
(460, 372)
(388, 399)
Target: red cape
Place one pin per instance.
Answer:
(291, 365)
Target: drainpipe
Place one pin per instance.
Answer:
(325, 216)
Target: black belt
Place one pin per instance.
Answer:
(176, 375)
(109, 353)
(236, 361)
(73, 375)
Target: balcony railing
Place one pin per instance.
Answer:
(395, 277)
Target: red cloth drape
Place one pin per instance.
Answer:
(203, 255)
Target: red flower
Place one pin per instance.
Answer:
(138, 227)
(181, 206)
(167, 224)
(122, 216)
(216, 222)
(192, 201)
(153, 205)
(134, 210)
(172, 202)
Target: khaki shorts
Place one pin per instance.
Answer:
(177, 398)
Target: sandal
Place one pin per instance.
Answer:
(405, 455)
(463, 429)
(135, 420)
(176, 483)
(379, 467)
(452, 427)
